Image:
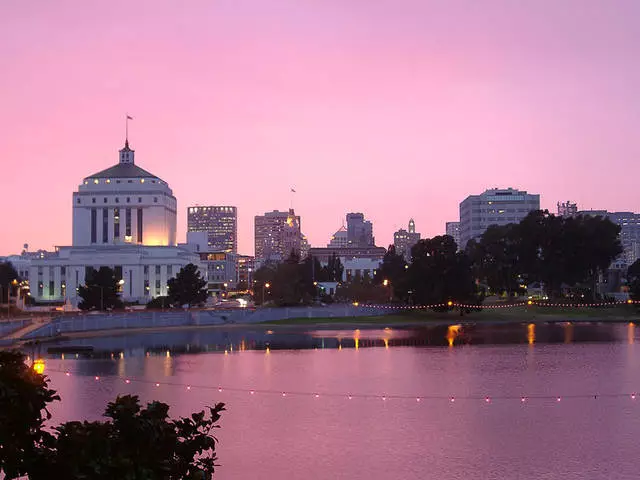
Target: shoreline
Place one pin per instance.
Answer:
(349, 323)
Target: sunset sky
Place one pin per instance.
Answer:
(395, 108)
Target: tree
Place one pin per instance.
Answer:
(7, 276)
(100, 291)
(159, 303)
(263, 276)
(24, 397)
(188, 287)
(393, 270)
(633, 280)
(439, 273)
(495, 258)
(134, 443)
(333, 269)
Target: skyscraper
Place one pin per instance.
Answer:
(493, 207)
(220, 223)
(277, 234)
(359, 231)
(403, 240)
(453, 230)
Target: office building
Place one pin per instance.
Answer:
(404, 240)
(220, 223)
(494, 207)
(359, 231)
(277, 234)
(453, 230)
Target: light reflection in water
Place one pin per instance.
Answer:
(531, 333)
(568, 332)
(631, 333)
(452, 333)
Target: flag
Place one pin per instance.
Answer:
(293, 190)
(129, 118)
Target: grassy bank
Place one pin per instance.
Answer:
(620, 313)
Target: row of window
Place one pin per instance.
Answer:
(96, 181)
(117, 200)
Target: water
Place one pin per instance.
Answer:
(301, 436)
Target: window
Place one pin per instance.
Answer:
(146, 269)
(105, 225)
(139, 199)
(169, 270)
(128, 199)
(127, 223)
(78, 201)
(117, 200)
(51, 288)
(155, 199)
(139, 225)
(146, 287)
(63, 271)
(40, 289)
(116, 223)
(117, 181)
(105, 200)
(157, 269)
(129, 181)
(93, 200)
(94, 222)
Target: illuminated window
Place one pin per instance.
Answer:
(142, 180)
(95, 181)
(108, 180)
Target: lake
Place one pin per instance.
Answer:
(510, 401)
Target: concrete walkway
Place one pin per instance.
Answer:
(34, 325)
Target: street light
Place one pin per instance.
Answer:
(387, 283)
(120, 284)
(266, 285)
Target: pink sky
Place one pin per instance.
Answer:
(396, 108)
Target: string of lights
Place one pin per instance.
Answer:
(529, 303)
(487, 399)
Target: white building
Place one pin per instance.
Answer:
(493, 207)
(124, 218)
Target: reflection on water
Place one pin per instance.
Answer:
(233, 341)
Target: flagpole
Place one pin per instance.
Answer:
(126, 128)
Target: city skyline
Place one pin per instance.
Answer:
(507, 103)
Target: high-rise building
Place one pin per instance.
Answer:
(277, 234)
(494, 207)
(567, 209)
(453, 230)
(220, 223)
(359, 231)
(246, 269)
(403, 240)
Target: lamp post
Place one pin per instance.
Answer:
(267, 285)
(387, 283)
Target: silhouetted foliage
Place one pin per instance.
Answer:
(633, 280)
(188, 287)
(439, 273)
(555, 251)
(7, 275)
(100, 291)
(394, 270)
(159, 303)
(134, 443)
(24, 397)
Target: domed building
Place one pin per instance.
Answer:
(125, 218)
